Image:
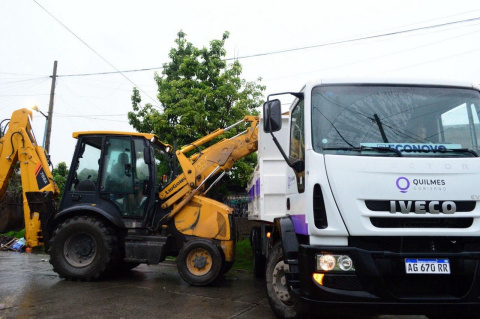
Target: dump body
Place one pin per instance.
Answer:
(267, 186)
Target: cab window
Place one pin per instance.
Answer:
(87, 167)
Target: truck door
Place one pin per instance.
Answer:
(296, 180)
(297, 143)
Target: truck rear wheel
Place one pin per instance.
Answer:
(81, 248)
(199, 262)
(283, 303)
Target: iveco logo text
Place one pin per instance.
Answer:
(422, 207)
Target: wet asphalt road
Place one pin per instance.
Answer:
(30, 289)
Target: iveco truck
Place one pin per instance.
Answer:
(376, 207)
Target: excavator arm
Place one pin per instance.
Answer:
(196, 215)
(207, 163)
(18, 144)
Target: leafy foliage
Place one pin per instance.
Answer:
(60, 174)
(14, 187)
(199, 93)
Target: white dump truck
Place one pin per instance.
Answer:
(366, 198)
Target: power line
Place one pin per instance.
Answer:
(93, 50)
(382, 35)
(99, 115)
(374, 57)
(357, 39)
(21, 74)
(112, 72)
(426, 62)
(24, 94)
(25, 80)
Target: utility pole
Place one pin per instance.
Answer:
(50, 108)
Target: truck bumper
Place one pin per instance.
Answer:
(380, 283)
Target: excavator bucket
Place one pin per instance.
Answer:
(43, 203)
(11, 214)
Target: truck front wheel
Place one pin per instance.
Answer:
(199, 262)
(283, 303)
(81, 248)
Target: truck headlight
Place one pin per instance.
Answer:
(327, 263)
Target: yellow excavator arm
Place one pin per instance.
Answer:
(205, 164)
(194, 214)
(18, 144)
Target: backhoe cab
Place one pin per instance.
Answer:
(122, 206)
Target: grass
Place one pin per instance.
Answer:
(243, 256)
(16, 234)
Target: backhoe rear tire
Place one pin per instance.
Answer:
(199, 262)
(81, 248)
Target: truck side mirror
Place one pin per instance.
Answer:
(272, 112)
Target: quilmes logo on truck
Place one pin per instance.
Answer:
(420, 184)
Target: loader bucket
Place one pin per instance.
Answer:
(11, 214)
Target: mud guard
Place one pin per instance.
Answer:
(290, 246)
(115, 219)
(286, 231)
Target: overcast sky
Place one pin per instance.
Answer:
(139, 34)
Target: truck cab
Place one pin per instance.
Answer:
(381, 211)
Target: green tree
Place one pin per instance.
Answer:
(60, 174)
(199, 92)
(14, 187)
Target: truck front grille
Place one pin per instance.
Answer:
(384, 205)
(421, 222)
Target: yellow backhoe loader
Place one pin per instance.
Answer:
(122, 206)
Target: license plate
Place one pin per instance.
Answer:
(427, 266)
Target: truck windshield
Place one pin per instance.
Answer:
(372, 120)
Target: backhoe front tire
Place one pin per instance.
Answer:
(199, 262)
(81, 248)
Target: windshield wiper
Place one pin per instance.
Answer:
(461, 150)
(365, 148)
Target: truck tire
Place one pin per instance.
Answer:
(199, 262)
(283, 303)
(81, 248)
